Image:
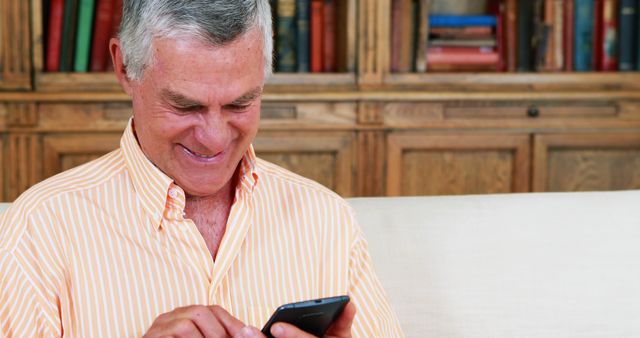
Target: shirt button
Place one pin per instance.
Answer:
(173, 193)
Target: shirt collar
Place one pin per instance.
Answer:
(153, 186)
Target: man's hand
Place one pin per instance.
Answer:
(340, 329)
(196, 321)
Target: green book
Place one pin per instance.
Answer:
(83, 37)
(69, 23)
(286, 36)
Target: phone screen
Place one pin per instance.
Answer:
(312, 316)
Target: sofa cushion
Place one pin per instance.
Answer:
(517, 265)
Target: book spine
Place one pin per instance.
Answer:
(83, 40)
(569, 11)
(558, 36)
(101, 35)
(423, 37)
(54, 36)
(628, 34)
(329, 36)
(461, 20)
(609, 31)
(464, 58)
(302, 23)
(396, 34)
(583, 35)
(317, 53)
(540, 40)
(285, 44)
(524, 23)
(500, 35)
(511, 13)
(407, 25)
(67, 47)
(549, 19)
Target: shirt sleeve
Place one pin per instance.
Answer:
(374, 315)
(28, 301)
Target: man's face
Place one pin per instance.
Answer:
(197, 108)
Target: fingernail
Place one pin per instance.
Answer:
(277, 330)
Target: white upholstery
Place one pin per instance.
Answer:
(518, 265)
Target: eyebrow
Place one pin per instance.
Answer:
(185, 101)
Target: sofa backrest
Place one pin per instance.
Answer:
(518, 265)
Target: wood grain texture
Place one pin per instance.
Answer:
(327, 158)
(424, 164)
(371, 163)
(24, 165)
(586, 161)
(62, 152)
(15, 46)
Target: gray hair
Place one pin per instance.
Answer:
(216, 22)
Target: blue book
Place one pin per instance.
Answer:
(583, 35)
(303, 11)
(628, 35)
(461, 20)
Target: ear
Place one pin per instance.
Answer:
(118, 65)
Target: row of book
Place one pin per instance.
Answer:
(306, 35)
(78, 33)
(571, 35)
(525, 35)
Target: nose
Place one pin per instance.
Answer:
(212, 131)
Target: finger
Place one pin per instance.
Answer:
(284, 330)
(342, 326)
(179, 327)
(230, 323)
(249, 332)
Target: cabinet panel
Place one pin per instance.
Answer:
(423, 164)
(15, 62)
(586, 162)
(62, 152)
(323, 157)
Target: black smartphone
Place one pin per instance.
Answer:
(312, 316)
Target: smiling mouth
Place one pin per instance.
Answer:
(198, 155)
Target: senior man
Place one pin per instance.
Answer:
(182, 231)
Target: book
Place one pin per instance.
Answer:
(490, 57)
(286, 38)
(568, 38)
(524, 23)
(83, 35)
(583, 35)
(628, 34)
(302, 32)
(68, 43)
(317, 41)
(468, 32)
(101, 35)
(54, 35)
(402, 36)
(422, 37)
(498, 8)
(329, 37)
(461, 20)
(557, 63)
(541, 34)
(510, 33)
(606, 48)
(463, 43)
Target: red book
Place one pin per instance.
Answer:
(54, 36)
(329, 36)
(317, 21)
(468, 32)
(501, 38)
(598, 14)
(607, 47)
(467, 56)
(569, 11)
(115, 27)
(101, 35)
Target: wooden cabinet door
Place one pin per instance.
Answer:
(452, 164)
(583, 162)
(325, 157)
(15, 39)
(62, 152)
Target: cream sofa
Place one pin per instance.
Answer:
(519, 265)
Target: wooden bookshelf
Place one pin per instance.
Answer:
(364, 132)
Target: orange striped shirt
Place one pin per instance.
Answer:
(103, 249)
